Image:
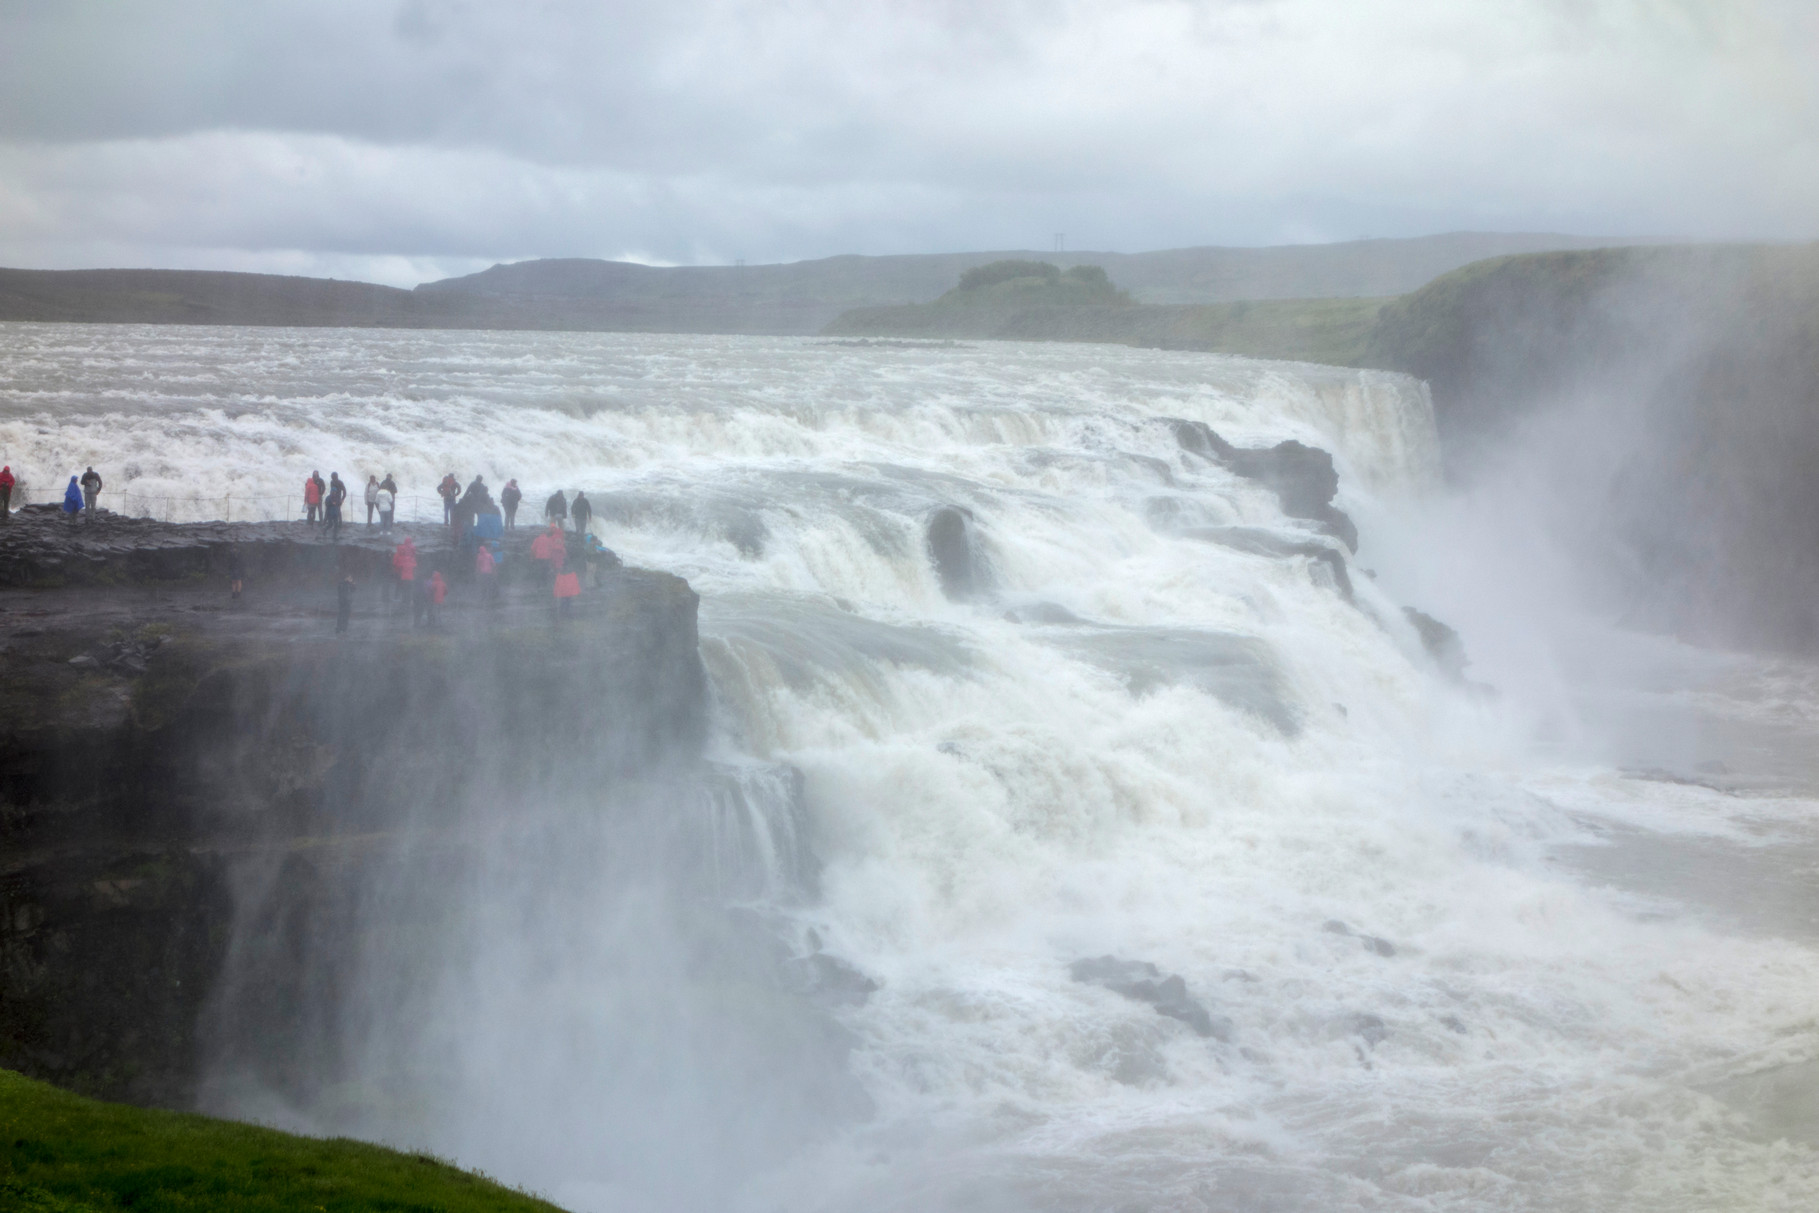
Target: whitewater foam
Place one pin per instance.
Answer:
(1139, 744)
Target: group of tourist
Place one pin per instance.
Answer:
(424, 598)
(479, 524)
(78, 498)
(323, 502)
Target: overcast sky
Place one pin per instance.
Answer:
(401, 141)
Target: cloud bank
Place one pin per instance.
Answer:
(404, 141)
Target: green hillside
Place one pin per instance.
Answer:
(1037, 301)
(60, 1153)
(581, 294)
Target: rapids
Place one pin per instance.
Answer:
(1451, 966)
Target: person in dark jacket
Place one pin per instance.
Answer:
(344, 602)
(556, 508)
(582, 509)
(91, 489)
(450, 492)
(509, 497)
(331, 506)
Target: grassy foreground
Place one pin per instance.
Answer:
(60, 1153)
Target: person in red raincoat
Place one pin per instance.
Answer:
(404, 566)
(485, 568)
(312, 498)
(438, 593)
(6, 491)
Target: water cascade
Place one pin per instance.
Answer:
(1087, 824)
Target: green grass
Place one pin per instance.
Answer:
(1334, 331)
(60, 1153)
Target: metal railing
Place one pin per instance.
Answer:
(236, 507)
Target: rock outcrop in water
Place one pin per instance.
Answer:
(953, 547)
(1144, 982)
(1441, 642)
(164, 750)
(1301, 476)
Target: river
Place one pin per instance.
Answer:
(1543, 938)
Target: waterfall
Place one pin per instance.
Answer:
(1088, 827)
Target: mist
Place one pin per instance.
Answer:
(859, 884)
(1295, 689)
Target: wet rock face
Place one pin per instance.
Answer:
(105, 958)
(1271, 543)
(158, 740)
(1441, 642)
(1141, 981)
(1374, 944)
(953, 546)
(1302, 477)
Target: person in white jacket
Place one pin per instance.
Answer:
(372, 499)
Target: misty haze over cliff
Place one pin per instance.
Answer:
(1293, 685)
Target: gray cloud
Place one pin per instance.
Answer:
(402, 140)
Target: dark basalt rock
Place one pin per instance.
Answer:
(1302, 477)
(1372, 943)
(1042, 612)
(1441, 642)
(1261, 542)
(953, 546)
(830, 980)
(159, 741)
(1144, 982)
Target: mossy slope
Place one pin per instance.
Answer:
(60, 1153)
(1057, 308)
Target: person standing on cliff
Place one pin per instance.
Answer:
(312, 498)
(438, 594)
(450, 492)
(404, 564)
(331, 514)
(486, 570)
(344, 602)
(6, 492)
(91, 489)
(72, 500)
(582, 509)
(387, 501)
(556, 509)
(372, 499)
(509, 497)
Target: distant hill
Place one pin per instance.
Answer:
(804, 296)
(795, 298)
(199, 297)
(1037, 301)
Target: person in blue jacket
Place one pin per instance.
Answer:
(72, 499)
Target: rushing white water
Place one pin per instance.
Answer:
(1138, 742)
